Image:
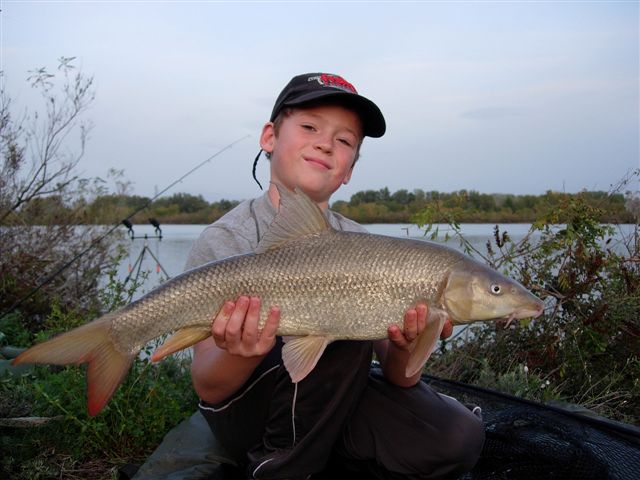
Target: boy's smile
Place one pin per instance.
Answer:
(314, 149)
(318, 161)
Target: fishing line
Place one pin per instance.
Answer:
(113, 228)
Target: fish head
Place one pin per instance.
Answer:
(478, 293)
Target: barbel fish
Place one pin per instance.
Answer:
(329, 285)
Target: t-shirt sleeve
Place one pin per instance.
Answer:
(348, 225)
(215, 243)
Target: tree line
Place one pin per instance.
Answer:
(368, 206)
(470, 206)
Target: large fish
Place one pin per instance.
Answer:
(329, 285)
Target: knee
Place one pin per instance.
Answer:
(464, 438)
(454, 447)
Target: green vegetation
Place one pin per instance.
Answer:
(180, 208)
(585, 349)
(371, 206)
(38, 163)
(107, 209)
(469, 206)
(151, 401)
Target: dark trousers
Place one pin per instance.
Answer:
(345, 413)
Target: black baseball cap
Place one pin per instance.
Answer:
(312, 88)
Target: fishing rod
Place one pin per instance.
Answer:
(114, 227)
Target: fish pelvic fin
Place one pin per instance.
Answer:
(298, 216)
(301, 354)
(183, 338)
(92, 344)
(426, 342)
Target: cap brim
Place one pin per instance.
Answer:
(373, 123)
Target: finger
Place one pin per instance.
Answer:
(219, 324)
(423, 313)
(411, 324)
(397, 336)
(447, 329)
(268, 334)
(235, 324)
(250, 328)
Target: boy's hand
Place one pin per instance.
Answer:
(236, 328)
(415, 320)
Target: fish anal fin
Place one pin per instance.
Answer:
(183, 338)
(298, 216)
(426, 342)
(301, 354)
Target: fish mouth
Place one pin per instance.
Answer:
(534, 312)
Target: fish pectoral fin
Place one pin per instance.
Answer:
(426, 342)
(183, 338)
(301, 354)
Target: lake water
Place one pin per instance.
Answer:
(171, 252)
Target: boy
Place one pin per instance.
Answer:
(369, 420)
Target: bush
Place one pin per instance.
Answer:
(38, 160)
(585, 349)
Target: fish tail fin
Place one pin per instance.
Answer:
(426, 341)
(92, 344)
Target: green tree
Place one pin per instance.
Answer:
(366, 196)
(185, 202)
(403, 197)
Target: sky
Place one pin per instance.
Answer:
(515, 97)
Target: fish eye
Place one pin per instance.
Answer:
(495, 289)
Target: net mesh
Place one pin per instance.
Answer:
(527, 440)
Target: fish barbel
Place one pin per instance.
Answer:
(328, 284)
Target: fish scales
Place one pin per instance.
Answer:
(337, 283)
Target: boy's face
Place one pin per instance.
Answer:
(314, 149)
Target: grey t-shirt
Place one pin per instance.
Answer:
(239, 231)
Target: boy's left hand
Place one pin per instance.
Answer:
(415, 320)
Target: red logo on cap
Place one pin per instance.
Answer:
(335, 81)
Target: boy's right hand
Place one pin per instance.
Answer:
(236, 328)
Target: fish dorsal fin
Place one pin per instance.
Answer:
(298, 216)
